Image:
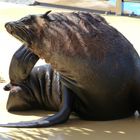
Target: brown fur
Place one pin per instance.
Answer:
(93, 59)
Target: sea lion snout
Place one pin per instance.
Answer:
(7, 87)
(9, 27)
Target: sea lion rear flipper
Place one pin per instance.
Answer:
(60, 117)
(21, 64)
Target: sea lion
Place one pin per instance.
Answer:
(98, 66)
(21, 65)
(32, 87)
(35, 87)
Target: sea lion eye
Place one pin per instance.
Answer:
(32, 17)
(28, 20)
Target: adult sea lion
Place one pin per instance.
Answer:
(98, 66)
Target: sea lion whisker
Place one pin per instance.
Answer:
(23, 26)
(20, 28)
(29, 33)
(25, 31)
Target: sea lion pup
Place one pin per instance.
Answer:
(96, 63)
(35, 87)
(21, 65)
(20, 94)
(32, 88)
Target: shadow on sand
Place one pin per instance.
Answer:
(74, 129)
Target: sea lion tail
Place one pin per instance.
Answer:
(28, 124)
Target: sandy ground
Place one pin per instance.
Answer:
(125, 129)
(90, 4)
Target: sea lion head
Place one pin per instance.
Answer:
(29, 29)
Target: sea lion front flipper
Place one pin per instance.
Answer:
(60, 117)
(21, 64)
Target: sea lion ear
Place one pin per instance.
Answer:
(49, 18)
(46, 14)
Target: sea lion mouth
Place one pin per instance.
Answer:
(19, 32)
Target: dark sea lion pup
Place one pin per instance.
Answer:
(36, 88)
(21, 65)
(98, 66)
(39, 89)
